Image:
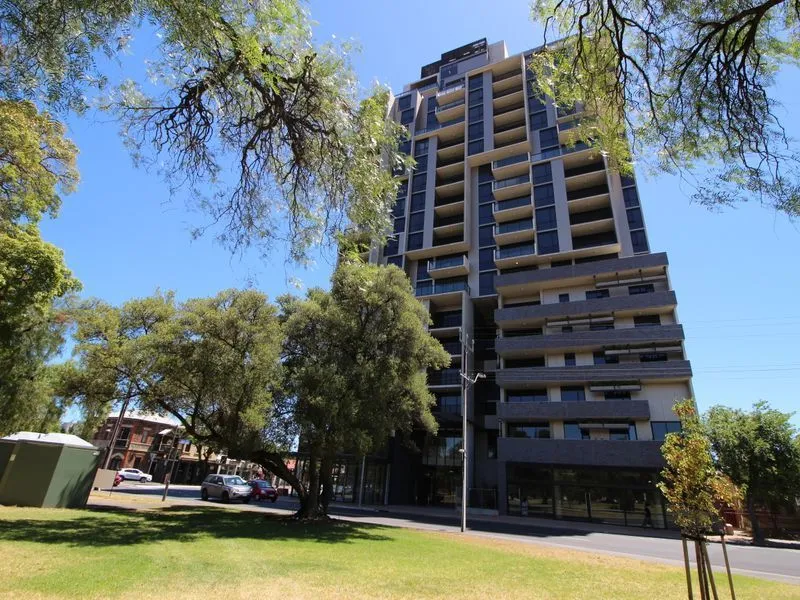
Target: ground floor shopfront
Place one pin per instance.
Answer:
(601, 495)
(348, 482)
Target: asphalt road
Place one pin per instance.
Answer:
(782, 564)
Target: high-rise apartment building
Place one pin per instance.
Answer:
(532, 252)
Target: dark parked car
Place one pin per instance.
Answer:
(226, 488)
(263, 490)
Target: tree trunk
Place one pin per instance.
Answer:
(326, 466)
(274, 463)
(758, 534)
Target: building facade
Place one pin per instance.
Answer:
(155, 444)
(532, 257)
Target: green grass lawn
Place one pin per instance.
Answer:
(186, 553)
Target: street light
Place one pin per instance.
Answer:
(465, 380)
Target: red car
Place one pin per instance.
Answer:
(263, 490)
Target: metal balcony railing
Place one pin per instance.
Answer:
(504, 183)
(510, 160)
(513, 251)
(512, 226)
(444, 107)
(512, 203)
(430, 288)
(445, 262)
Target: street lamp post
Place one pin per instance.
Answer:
(466, 381)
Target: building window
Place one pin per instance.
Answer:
(534, 431)
(491, 444)
(639, 241)
(418, 202)
(573, 393)
(419, 182)
(617, 395)
(485, 193)
(548, 138)
(653, 357)
(631, 197)
(647, 321)
(404, 102)
(416, 222)
(601, 326)
(486, 236)
(569, 359)
(527, 396)
(645, 288)
(620, 433)
(476, 113)
(414, 241)
(475, 131)
(475, 82)
(535, 104)
(421, 148)
(485, 214)
(542, 173)
(572, 431)
(486, 281)
(450, 403)
(635, 220)
(538, 120)
(407, 116)
(475, 147)
(662, 428)
(563, 297)
(566, 329)
(399, 225)
(601, 358)
(596, 294)
(548, 242)
(546, 218)
(486, 259)
(476, 96)
(392, 246)
(543, 195)
(397, 261)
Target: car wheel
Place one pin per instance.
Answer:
(226, 497)
(143, 480)
(246, 499)
(204, 494)
(274, 500)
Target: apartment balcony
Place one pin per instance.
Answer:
(453, 347)
(639, 454)
(636, 410)
(507, 98)
(634, 268)
(511, 166)
(511, 232)
(512, 114)
(447, 227)
(451, 131)
(450, 186)
(589, 341)
(447, 206)
(564, 113)
(513, 208)
(506, 81)
(506, 257)
(602, 242)
(588, 222)
(580, 152)
(513, 133)
(450, 111)
(512, 187)
(450, 169)
(436, 288)
(450, 152)
(448, 266)
(532, 377)
(451, 93)
(588, 198)
(588, 175)
(446, 378)
(140, 447)
(638, 304)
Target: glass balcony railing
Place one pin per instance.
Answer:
(452, 87)
(430, 288)
(510, 160)
(439, 126)
(563, 150)
(513, 226)
(514, 251)
(445, 262)
(443, 107)
(444, 377)
(512, 203)
(504, 183)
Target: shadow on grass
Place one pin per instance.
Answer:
(122, 527)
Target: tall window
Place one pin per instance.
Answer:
(573, 393)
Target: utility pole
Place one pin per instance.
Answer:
(467, 346)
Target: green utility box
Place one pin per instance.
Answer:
(46, 470)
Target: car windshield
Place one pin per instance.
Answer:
(234, 481)
(264, 485)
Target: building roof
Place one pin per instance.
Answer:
(65, 439)
(146, 416)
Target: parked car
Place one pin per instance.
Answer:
(135, 475)
(226, 488)
(118, 479)
(263, 490)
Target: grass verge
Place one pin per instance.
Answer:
(186, 552)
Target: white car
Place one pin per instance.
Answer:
(135, 475)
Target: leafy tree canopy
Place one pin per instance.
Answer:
(687, 82)
(262, 127)
(759, 451)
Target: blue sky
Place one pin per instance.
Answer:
(737, 291)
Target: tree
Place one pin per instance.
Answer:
(759, 451)
(683, 83)
(355, 361)
(693, 488)
(37, 165)
(266, 129)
